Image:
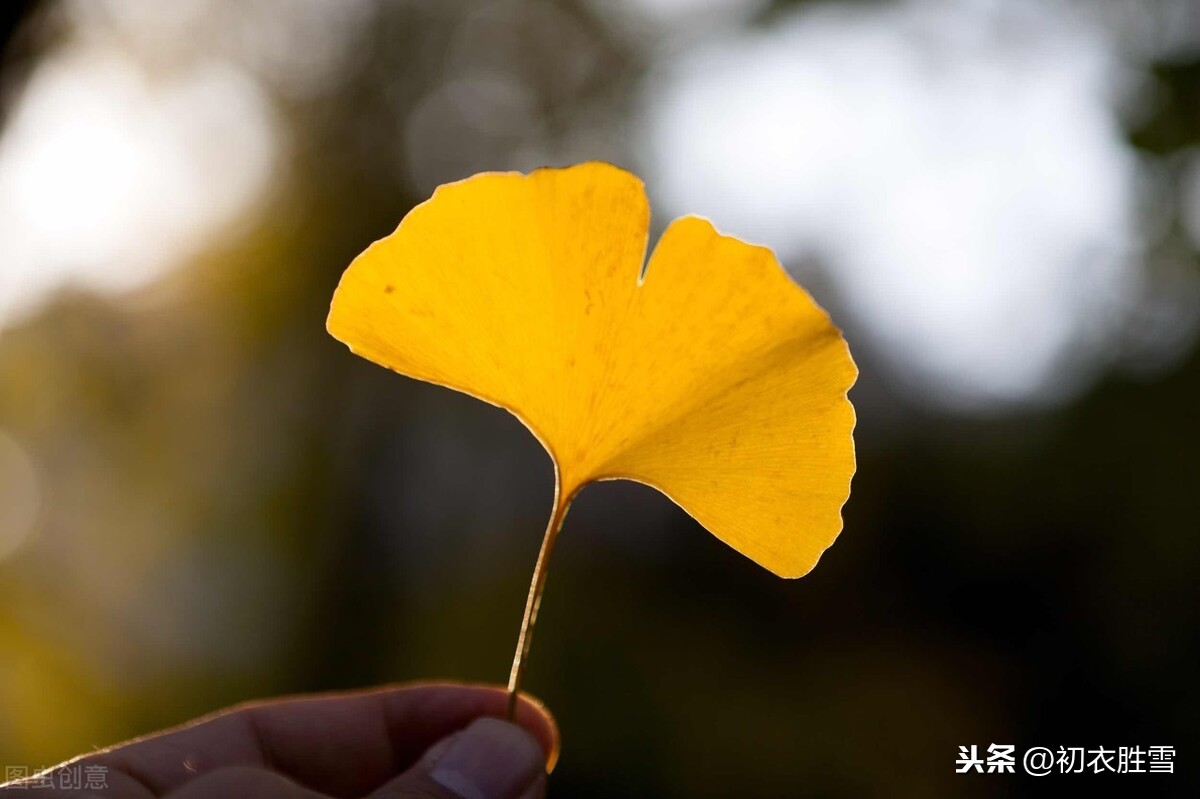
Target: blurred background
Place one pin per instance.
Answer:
(205, 499)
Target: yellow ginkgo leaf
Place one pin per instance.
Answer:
(708, 374)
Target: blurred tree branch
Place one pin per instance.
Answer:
(17, 51)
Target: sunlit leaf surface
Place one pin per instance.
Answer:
(711, 377)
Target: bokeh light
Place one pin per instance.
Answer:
(956, 169)
(108, 177)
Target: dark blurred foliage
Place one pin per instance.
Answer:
(236, 507)
(15, 50)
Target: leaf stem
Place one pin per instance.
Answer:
(562, 501)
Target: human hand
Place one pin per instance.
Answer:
(420, 741)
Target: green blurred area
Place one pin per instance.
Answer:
(232, 506)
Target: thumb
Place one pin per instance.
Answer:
(490, 759)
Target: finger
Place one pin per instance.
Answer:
(340, 744)
(243, 781)
(490, 759)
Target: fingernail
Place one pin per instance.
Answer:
(491, 759)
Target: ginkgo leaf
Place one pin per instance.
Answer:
(708, 375)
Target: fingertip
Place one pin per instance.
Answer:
(491, 758)
(533, 715)
(456, 704)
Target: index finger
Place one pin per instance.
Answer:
(343, 744)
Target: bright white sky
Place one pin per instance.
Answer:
(681, 13)
(107, 179)
(111, 174)
(956, 167)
